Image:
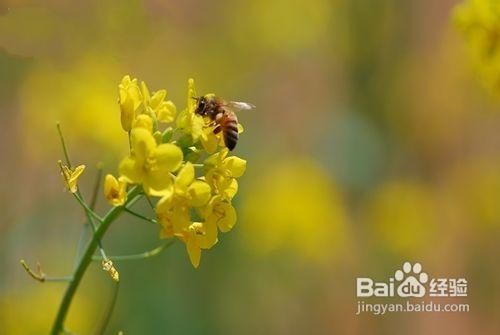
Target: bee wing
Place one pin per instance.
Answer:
(238, 105)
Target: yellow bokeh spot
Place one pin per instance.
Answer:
(31, 311)
(293, 206)
(83, 98)
(475, 188)
(402, 216)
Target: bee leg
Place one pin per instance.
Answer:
(217, 130)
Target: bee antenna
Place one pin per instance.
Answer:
(195, 98)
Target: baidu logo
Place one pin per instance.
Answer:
(411, 281)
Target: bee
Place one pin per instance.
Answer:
(222, 116)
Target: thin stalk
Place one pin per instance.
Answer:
(88, 211)
(86, 208)
(63, 144)
(142, 255)
(40, 276)
(86, 259)
(90, 214)
(150, 202)
(97, 184)
(111, 307)
(140, 216)
(93, 202)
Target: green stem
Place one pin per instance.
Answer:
(142, 255)
(90, 214)
(86, 259)
(150, 202)
(93, 202)
(88, 211)
(140, 216)
(97, 184)
(63, 143)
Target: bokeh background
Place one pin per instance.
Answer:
(374, 142)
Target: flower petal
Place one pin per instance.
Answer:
(181, 219)
(231, 190)
(166, 112)
(157, 183)
(143, 121)
(130, 170)
(194, 252)
(209, 140)
(235, 165)
(197, 124)
(165, 203)
(167, 156)
(142, 142)
(199, 193)
(191, 95)
(157, 98)
(127, 111)
(228, 219)
(115, 191)
(210, 238)
(145, 92)
(185, 176)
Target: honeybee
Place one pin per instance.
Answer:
(222, 116)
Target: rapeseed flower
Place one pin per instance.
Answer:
(143, 121)
(150, 164)
(187, 120)
(192, 207)
(163, 111)
(222, 171)
(130, 98)
(173, 207)
(115, 190)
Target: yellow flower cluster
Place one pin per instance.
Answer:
(479, 23)
(192, 207)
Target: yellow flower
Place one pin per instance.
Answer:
(164, 111)
(221, 212)
(218, 213)
(187, 120)
(173, 221)
(209, 140)
(198, 236)
(222, 170)
(115, 190)
(143, 121)
(129, 99)
(150, 164)
(173, 207)
(70, 177)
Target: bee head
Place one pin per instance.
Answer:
(205, 103)
(201, 105)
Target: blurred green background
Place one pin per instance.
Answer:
(373, 143)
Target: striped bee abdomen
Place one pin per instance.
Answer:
(230, 130)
